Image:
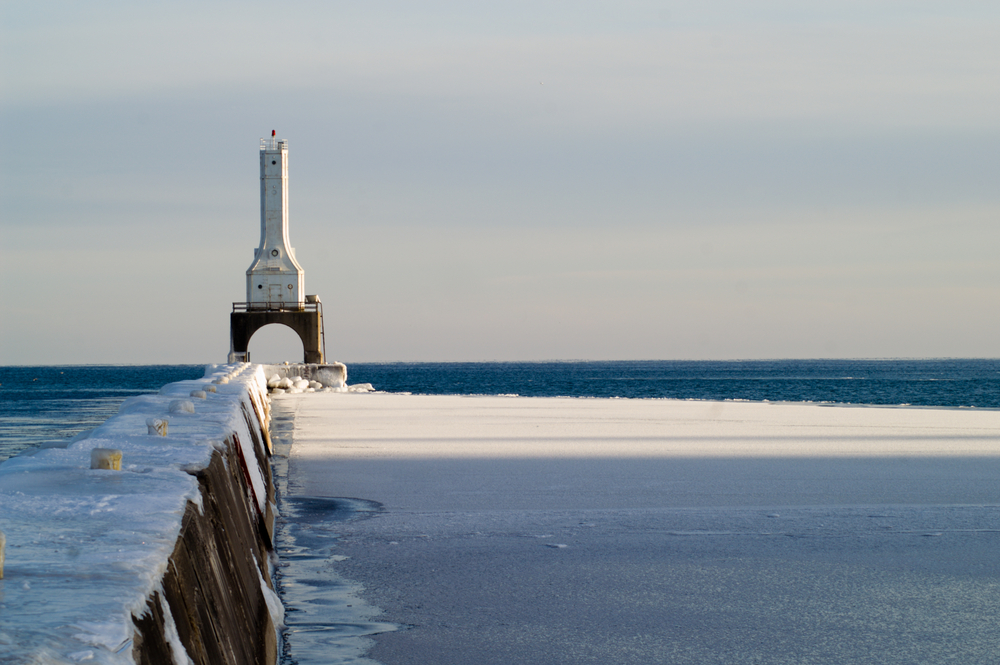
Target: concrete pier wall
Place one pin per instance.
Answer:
(147, 539)
(212, 586)
(215, 594)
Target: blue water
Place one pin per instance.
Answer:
(39, 404)
(945, 382)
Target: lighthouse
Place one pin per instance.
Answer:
(275, 280)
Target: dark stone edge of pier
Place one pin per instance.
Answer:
(212, 583)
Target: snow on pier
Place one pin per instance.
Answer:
(88, 549)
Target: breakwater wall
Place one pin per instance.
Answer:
(148, 539)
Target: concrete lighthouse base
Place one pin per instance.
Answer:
(307, 323)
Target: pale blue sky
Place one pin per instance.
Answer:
(504, 181)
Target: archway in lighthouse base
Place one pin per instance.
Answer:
(308, 324)
(275, 344)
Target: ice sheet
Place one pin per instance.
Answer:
(403, 450)
(595, 530)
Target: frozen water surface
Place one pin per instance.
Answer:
(639, 531)
(326, 621)
(683, 586)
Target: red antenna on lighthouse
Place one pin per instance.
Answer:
(273, 132)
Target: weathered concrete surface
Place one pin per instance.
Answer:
(308, 325)
(212, 585)
(212, 599)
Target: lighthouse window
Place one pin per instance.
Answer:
(289, 286)
(274, 162)
(274, 252)
(260, 286)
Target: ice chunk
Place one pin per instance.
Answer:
(62, 443)
(274, 606)
(179, 654)
(208, 388)
(199, 394)
(157, 426)
(300, 384)
(181, 406)
(285, 383)
(81, 436)
(106, 458)
(332, 376)
(361, 388)
(315, 385)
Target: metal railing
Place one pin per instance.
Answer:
(322, 328)
(312, 304)
(273, 143)
(277, 306)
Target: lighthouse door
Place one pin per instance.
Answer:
(274, 294)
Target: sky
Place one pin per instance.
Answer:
(713, 179)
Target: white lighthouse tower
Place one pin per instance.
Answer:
(275, 280)
(275, 284)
